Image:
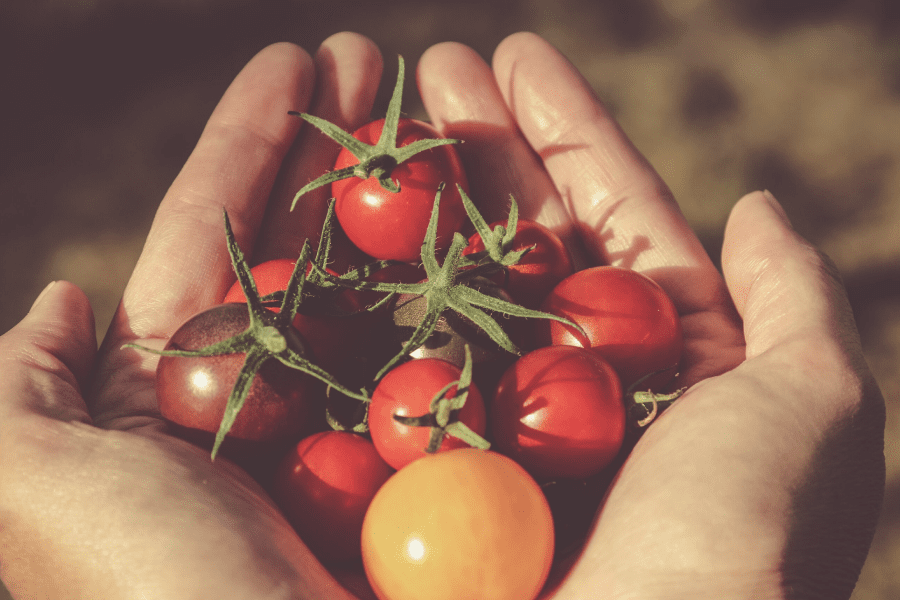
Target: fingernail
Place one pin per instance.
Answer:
(42, 295)
(776, 206)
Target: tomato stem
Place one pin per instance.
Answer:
(378, 160)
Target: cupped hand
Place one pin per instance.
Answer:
(762, 481)
(97, 499)
(765, 479)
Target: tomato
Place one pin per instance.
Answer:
(558, 412)
(458, 525)
(390, 225)
(407, 391)
(531, 279)
(628, 318)
(454, 331)
(192, 391)
(329, 336)
(324, 486)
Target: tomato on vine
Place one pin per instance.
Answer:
(385, 178)
(412, 411)
(531, 278)
(328, 324)
(193, 391)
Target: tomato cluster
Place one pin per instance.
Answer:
(435, 408)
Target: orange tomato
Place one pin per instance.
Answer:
(458, 525)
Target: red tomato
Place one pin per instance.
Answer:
(407, 391)
(532, 278)
(558, 412)
(193, 391)
(628, 318)
(455, 526)
(390, 225)
(328, 336)
(324, 487)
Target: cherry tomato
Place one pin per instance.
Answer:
(324, 486)
(558, 412)
(454, 331)
(407, 391)
(628, 318)
(531, 279)
(458, 525)
(192, 391)
(328, 336)
(390, 225)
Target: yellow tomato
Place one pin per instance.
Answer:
(460, 525)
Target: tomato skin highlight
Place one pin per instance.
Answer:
(531, 279)
(558, 412)
(388, 225)
(192, 391)
(628, 318)
(407, 391)
(473, 524)
(324, 486)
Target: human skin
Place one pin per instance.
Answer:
(763, 481)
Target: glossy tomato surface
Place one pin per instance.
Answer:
(407, 391)
(628, 318)
(531, 279)
(458, 525)
(192, 391)
(324, 486)
(390, 225)
(558, 412)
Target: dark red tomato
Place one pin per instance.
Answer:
(192, 391)
(531, 279)
(324, 486)
(558, 412)
(407, 391)
(328, 336)
(628, 318)
(390, 225)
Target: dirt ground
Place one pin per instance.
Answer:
(102, 104)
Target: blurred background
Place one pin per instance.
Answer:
(104, 101)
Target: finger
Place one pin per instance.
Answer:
(185, 266)
(627, 213)
(348, 70)
(48, 357)
(785, 290)
(460, 93)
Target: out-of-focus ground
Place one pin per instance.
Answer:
(102, 101)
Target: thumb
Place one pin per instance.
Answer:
(784, 289)
(48, 357)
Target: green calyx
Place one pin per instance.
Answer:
(266, 337)
(445, 288)
(377, 160)
(443, 413)
(498, 250)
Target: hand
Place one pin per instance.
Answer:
(764, 475)
(765, 479)
(97, 500)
